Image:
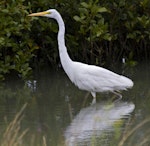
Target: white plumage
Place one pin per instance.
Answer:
(86, 77)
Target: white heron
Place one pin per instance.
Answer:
(86, 77)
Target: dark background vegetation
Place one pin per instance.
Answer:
(100, 32)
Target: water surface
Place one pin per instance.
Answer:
(58, 113)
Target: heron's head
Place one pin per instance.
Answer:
(51, 13)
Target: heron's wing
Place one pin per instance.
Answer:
(98, 79)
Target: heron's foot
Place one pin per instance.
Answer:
(93, 101)
(118, 95)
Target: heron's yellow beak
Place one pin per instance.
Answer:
(39, 14)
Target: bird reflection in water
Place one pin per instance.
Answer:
(94, 120)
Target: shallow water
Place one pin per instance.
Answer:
(58, 113)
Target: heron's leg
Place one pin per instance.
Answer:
(85, 98)
(94, 98)
(118, 94)
(69, 107)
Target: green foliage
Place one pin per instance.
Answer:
(97, 32)
(93, 28)
(122, 30)
(16, 47)
(130, 21)
(92, 25)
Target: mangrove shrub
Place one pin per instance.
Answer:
(97, 32)
(16, 47)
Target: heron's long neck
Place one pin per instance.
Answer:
(64, 57)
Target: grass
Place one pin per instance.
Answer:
(130, 132)
(13, 135)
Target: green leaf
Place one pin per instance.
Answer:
(84, 4)
(77, 18)
(102, 9)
